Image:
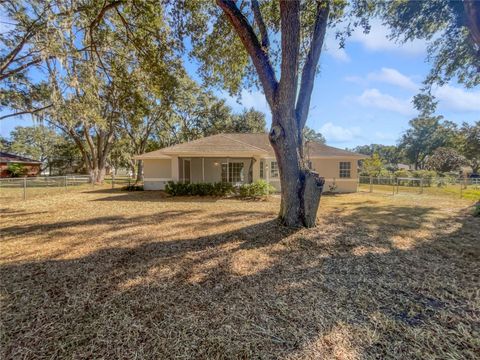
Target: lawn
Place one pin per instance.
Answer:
(113, 275)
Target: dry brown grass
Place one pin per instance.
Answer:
(113, 275)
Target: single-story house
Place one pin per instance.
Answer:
(31, 167)
(242, 158)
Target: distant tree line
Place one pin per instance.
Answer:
(430, 143)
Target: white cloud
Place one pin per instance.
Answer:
(377, 40)
(333, 49)
(385, 75)
(393, 77)
(374, 98)
(458, 99)
(337, 133)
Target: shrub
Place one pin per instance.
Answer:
(476, 209)
(257, 189)
(198, 189)
(16, 170)
(403, 173)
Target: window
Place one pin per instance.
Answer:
(262, 165)
(345, 167)
(235, 172)
(273, 169)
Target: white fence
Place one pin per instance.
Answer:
(435, 185)
(23, 188)
(17, 189)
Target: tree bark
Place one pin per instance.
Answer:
(139, 171)
(301, 188)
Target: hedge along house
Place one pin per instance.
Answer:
(242, 158)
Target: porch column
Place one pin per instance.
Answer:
(175, 169)
(203, 169)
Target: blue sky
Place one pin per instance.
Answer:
(363, 92)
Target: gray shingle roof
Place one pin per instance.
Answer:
(12, 158)
(248, 144)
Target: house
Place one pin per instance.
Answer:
(242, 158)
(30, 167)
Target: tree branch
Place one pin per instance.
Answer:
(32, 111)
(311, 62)
(20, 68)
(249, 39)
(261, 25)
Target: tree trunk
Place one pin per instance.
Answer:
(97, 174)
(139, 171)
(301, 188)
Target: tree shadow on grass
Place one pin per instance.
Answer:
(149, 196)
(346, 289)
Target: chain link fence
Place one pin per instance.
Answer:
(461, 187)
(20, 189)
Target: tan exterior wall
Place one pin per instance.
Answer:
(156, 173)
(159, 170)
(330, 169)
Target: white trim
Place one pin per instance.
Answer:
(157, 179)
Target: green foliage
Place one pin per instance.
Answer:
(469, 144)
(442, 23)
(424, 136)
(390, 154)
(199, 189)
(311, 135)
(256, 189)
(445, 160)
(372, 166)
(16, 170)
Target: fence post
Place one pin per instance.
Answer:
(113, 180)
(393, 186)
(421, 185)
(371, 183)
(25, 188)
(66, 185)
(461, 189)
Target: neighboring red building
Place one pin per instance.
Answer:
(32, 167)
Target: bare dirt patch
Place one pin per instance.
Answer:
(106, 274)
